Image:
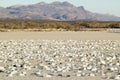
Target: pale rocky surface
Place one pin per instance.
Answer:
(59, 59)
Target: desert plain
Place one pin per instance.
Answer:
(59, 55)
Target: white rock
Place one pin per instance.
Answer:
(118, 64)
(78, 74)
(91, 74)
(47, 75)
(94, 69)
(39, 74)
(103, 62)
(89, 67)
(117, 77)
(2, 69)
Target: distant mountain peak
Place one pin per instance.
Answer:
(53, 11)
(56, 2)
(41, 3)
(65, 3)
(81, 7)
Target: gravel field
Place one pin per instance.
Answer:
(60, 58)
(60, 55)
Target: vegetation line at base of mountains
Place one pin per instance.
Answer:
(63, 25)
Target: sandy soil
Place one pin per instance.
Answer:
(60, 35)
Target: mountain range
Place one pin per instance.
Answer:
(53, 11)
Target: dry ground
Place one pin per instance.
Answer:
(60, 35)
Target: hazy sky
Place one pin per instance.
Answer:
(101, 6)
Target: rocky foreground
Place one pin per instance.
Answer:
(60, 58)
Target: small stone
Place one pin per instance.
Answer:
(2, 69)
(47, 75)
(67, 75)
(22, 74)
(94, 69)
(89, 67)
(10, 75)
(60, 75)
(27, 67)
(59, 69)
(14, 65)
(91, 74)
(83, 74)
(39, 74)
(103, 62)
(118, 64)
(112, 77)
(78, 75)
(112, 69)
(117, 77)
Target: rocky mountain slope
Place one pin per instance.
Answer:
(53, 11)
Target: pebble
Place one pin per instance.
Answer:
(2, 69)
(91, 74)
(22, 74)
(78, 74)
(48, 75)
(117, 77)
